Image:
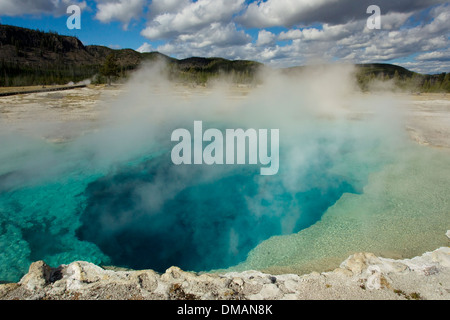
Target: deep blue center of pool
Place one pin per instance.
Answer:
(204, 221)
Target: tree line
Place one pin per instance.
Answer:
(413, 82)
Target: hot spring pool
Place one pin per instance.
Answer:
(346, 182)
(149, 213)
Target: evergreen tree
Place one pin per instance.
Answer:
(445, 86)
(426, 85)
(110, 68)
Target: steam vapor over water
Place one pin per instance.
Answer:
(113, 195)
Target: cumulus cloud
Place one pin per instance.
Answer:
(326, 33)
(435, 55)
(265, 38)
(316, 30)
(145, 47)
(387, 45)
(429, 67)
(353, 42)
(203, 27)
(37, 7)
(193, 17)
(119, 10)
(278, 13)
(215, 40)
(158, 7)
(216, 35)
(394, 20)
(289, 13)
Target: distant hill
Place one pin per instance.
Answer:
(397, 77)
(34, 57)
(402, 78)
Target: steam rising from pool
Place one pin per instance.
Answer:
(113, 196)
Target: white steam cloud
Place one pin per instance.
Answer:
(329, 133)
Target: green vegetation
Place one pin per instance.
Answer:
(401, 78)
(33, 57)
(110, 68)
(201, 70)
(13, 74)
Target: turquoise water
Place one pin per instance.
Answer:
(207, 223)
(63, 202)
(403, 211)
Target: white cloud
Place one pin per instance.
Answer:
(183, 50)
(119, 10)
(216, 35)
(145, 47)
(214, 40)
(350, 42)
(278, 13)
(265, 38)
(435, 55)
(326, 33)
(158, 7)
(193, 28)
(292, 34)
(192, 17)
(429, 67)
(289, 13)
(387, 45)
(37, 7)
(394, 20)
(353, 42)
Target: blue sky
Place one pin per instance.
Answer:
(280, 33)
